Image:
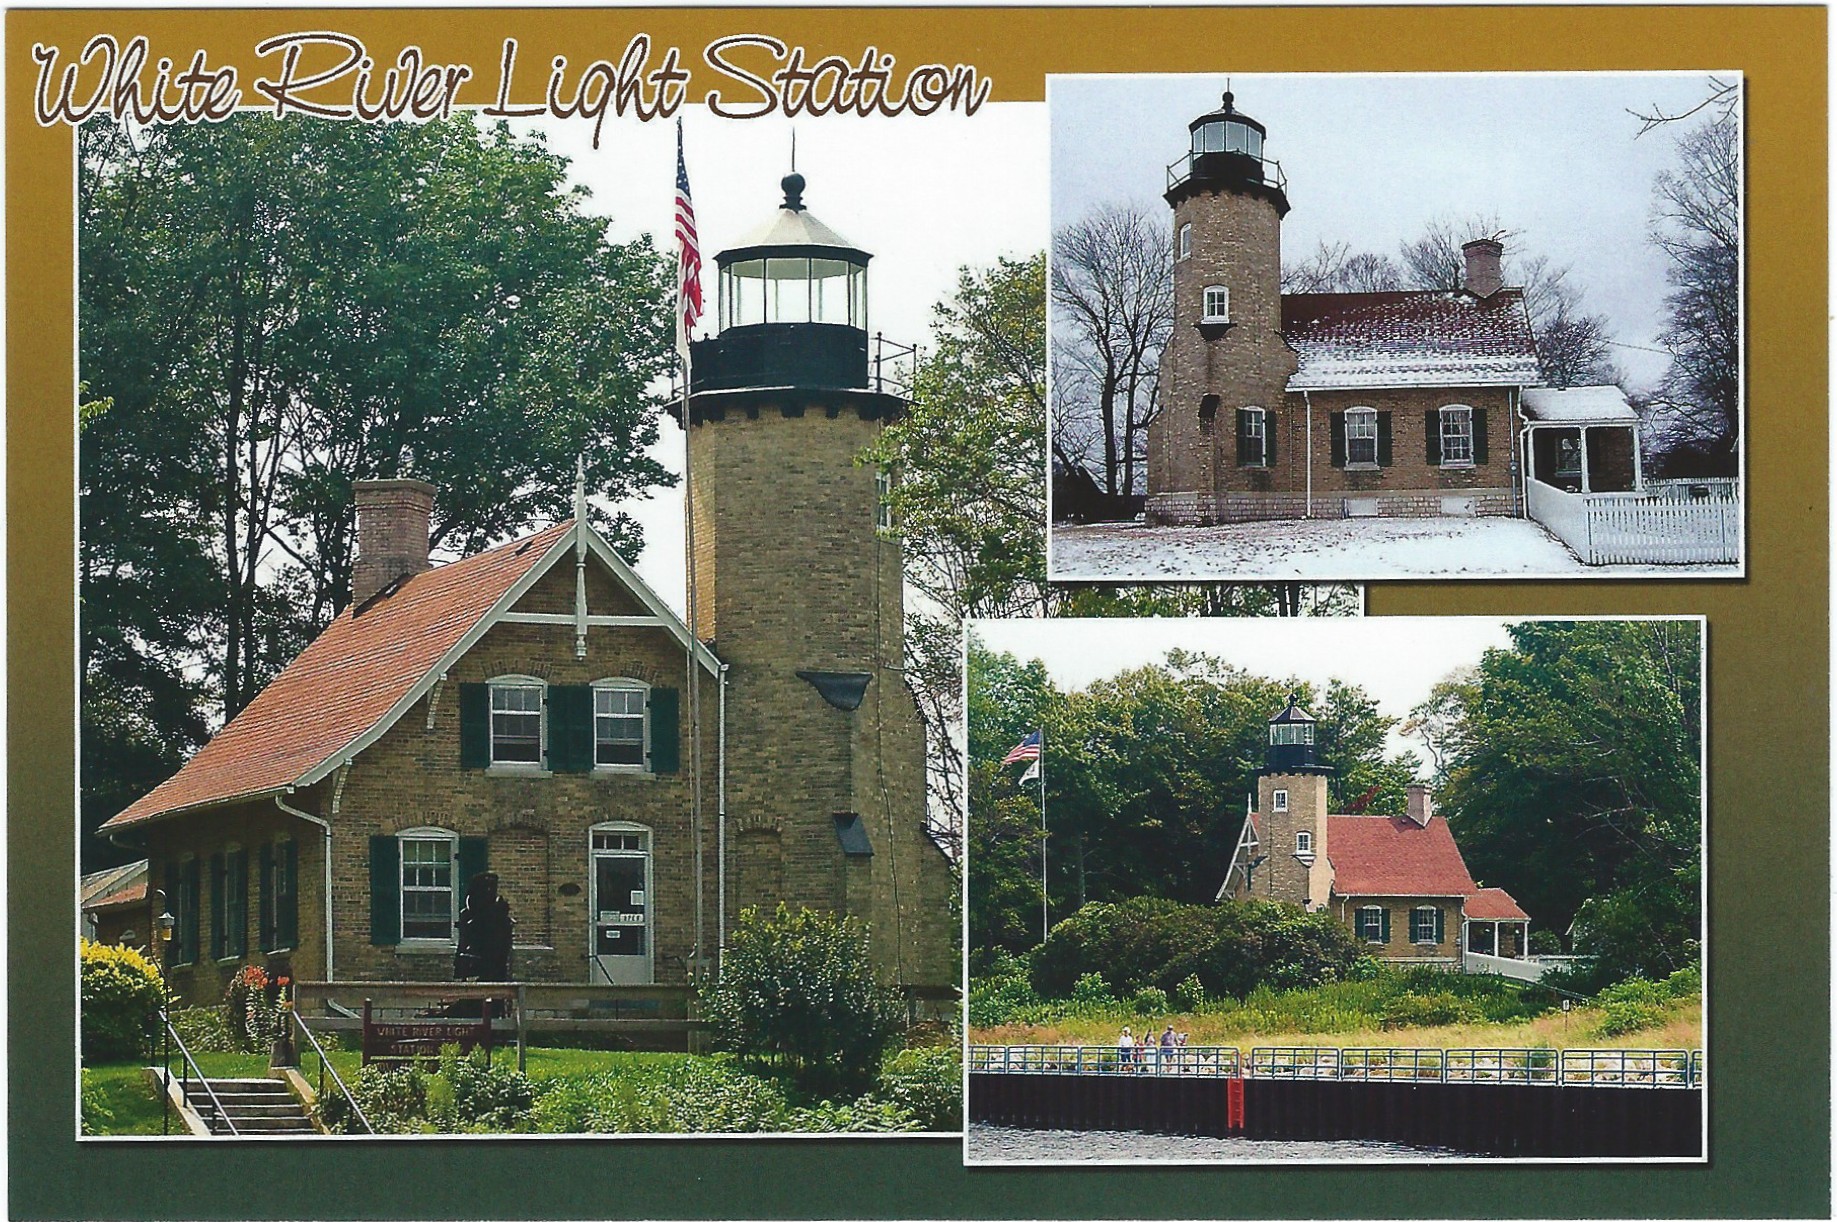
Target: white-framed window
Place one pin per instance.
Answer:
(1371, 925)
(517, 719)
(1281, 799)
(883, 499)
(1291, 734)
(1457, 436)
(429, 891)
(1423, 923)
(1186, 240)
(1217, 304)
(1569, 454)
(1362, 436)
(621, 724)
(1304, 842)
(1255, 448)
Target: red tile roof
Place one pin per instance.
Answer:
(1380, 855)
(1429, 338)
(345, 682)
(1494, 904)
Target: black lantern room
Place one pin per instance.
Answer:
(793, 307)
(1226, 153)
(1291, 741)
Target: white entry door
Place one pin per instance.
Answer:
(620, 904)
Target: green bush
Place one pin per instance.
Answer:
(394, 1100)
(1091, 989)
(926, 1083)
(999, 1000)
(482, 1095)
(98, 1116)
(1189, 995)
(202, 1029)
(1545, 942)
(797, 989)
(1230, 948)
(121, 994)
(1426, 1010)
(1149, 1000)
(864, 1115)
(1633, 1004)
(1685, 982)
(685, 1095)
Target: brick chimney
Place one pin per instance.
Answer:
(1422, 806)
(392, 528)
(1483, 277)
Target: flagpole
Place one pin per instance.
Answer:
(1044, 919)
(691, 677)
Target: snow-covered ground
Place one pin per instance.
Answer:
(1332, 549)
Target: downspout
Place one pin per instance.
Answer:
(720, 806)
(1307, 462)
(326, 827)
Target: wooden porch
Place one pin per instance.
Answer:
(652, 1016)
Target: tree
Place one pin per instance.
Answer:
(1112, 281)
(275, 310)
(1571, 776)
(1334, 268)
(1696, 222)
(969, 503)
(1007, 701)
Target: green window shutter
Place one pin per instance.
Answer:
(1336, 423)
(265, 934)
(1384, 925)
(571, 729)
(1243, 437)
(1432, 435)
(1384, 439)
(1479, 436)
(219, 908)
(1269, 437)
(385, 891)
(474, 859)
(474, 725)
(1438, 925)
(666, 730)
(239, 903)
(192, 890)
(287, 911)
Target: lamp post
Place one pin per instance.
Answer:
(163, 925)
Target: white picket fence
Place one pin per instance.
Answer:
(1666, 524)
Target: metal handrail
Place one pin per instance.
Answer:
(326, 1066)
(1639, 1067)
(192, 1067)
(1181, 168)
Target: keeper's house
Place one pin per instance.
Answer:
(1311, 405)
(529, 710)
(1399, 883)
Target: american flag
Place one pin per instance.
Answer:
(1027, 749)
(689, 255)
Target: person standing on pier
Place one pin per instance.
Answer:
(1125, 1049)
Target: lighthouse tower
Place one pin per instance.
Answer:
(1292, 814)
(798, 582)
(1223, 447)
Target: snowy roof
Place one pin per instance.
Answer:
(1579, 405)
(1427, 338)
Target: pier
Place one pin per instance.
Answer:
(1508, 1102)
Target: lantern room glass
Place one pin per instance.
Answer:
(794, 290)
(1227, 136)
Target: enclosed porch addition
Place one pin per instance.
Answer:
(1585, 483)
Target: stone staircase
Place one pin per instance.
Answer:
(258, 1107)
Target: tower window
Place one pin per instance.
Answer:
(1457, 436)
(1281, 800)
(1361, 437)
(1217, 304)
(1252, 437)
(1186, 240)
(883, 499)
(1304, 842)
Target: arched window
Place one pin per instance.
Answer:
(1374, 924)
(1217, 304)
(1362, 436)
(430, 895)
(1186, 240)
(1457, 436)
(621, 724)
(518, 720)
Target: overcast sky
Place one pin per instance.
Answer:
(1371, 159)
(1396, 659)
(924, 196)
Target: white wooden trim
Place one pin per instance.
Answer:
(1246, 839)
(593, 621)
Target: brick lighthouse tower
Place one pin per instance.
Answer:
(798, 583)
(1223, 448)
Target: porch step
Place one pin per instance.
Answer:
(257, 1107)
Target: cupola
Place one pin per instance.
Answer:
(1291, 740)
(1225, 152)
(793, 306)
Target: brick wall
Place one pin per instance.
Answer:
(1284, 876)
(1401, 946)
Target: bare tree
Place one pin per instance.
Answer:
(1720, 104)
(1334, 268)
(1696, 222)
(1112, 281)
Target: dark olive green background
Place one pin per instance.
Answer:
(1769, 671)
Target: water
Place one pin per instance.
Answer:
(988, 1142)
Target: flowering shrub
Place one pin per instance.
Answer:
(121, 997)
(253, 1007)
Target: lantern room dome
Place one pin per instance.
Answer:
(1291, 740)
(1225, 153)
